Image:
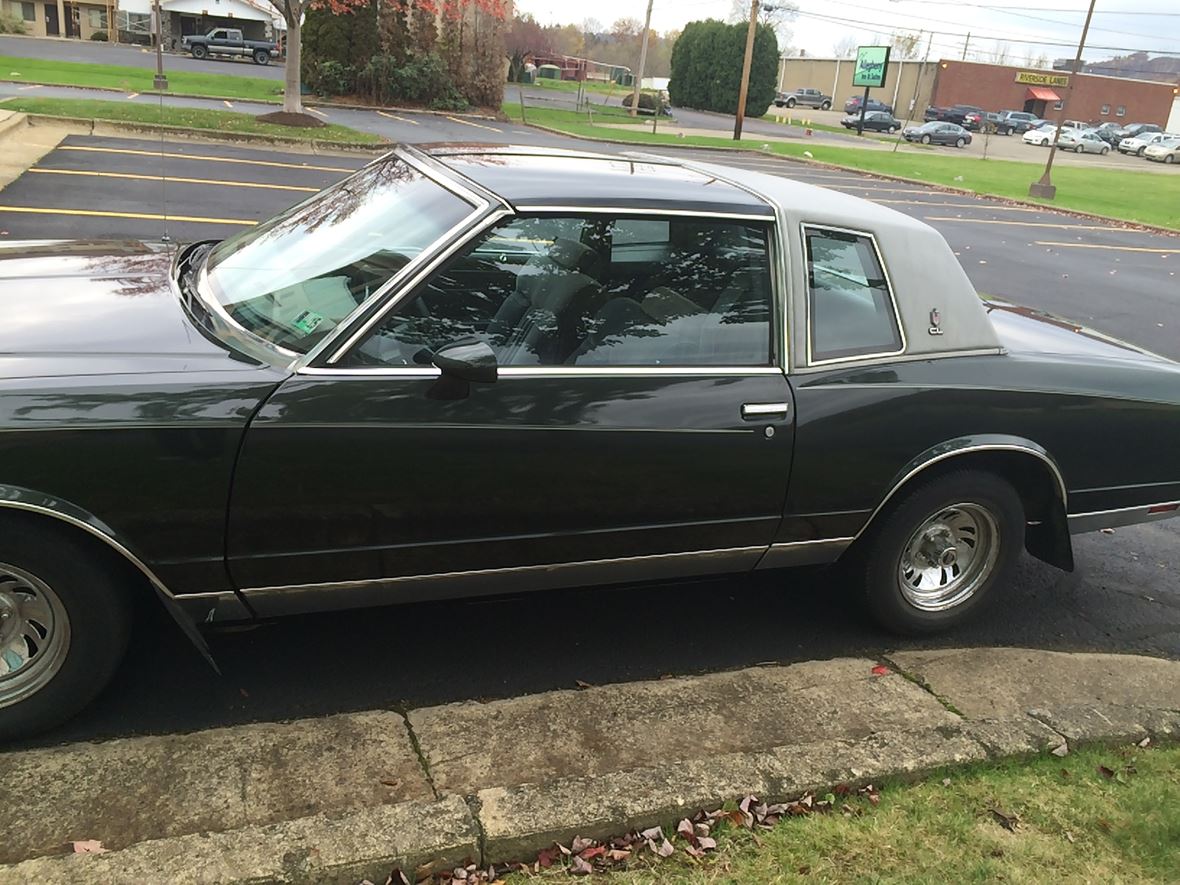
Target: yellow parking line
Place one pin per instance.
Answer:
(476, 125)
(848, 188)
(269, 163)
(207, 181)
(1024, 223)
(32, 86)
(318, 113)
(1112, 248)
(227, 103)
(147, 216)
(132, 95)
(399, 119)
(984, 207)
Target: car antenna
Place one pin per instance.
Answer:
(164, 238)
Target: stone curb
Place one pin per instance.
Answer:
(853, 722)
(93, 125)
(883, 176)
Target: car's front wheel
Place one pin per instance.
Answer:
(790, 102)
(200, 51)
(939, 554)
(1169, 158)
(64, 624)
(961, 143)
(925, 139)
(825, 106)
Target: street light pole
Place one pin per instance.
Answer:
(745, 87)
(1044, 187)
(160, 82)
(643, 64)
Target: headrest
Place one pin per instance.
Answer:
(571, 254)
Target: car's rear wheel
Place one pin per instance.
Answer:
(938, 554)
(64, 624)
(925, 139)
(790, 102)
(960, 143)
(200, 51)
(261, 57)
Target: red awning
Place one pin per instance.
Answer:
(1042, 93)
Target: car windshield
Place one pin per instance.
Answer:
(292, 280)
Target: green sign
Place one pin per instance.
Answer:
(871, 64)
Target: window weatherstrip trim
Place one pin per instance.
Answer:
(560, 371)
(804, 227)
(642, 210)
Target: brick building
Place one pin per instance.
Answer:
(1092, 98)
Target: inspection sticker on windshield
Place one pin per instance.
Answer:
(307, 321)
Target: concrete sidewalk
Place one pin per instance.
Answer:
(348, 797)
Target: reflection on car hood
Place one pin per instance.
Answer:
(1025, 330)
(95, 308)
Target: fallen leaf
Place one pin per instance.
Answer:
(617, 855)
(946, 781)
(706, 843)
(1062, 750)
(1144, 742)
(580, 844)
(579, 867)
(580, 684)
(88, 846)
(1069, 837)
(1105, 825)
(685, 829)
(880, 670)
(545, 858)
(1006, 819)
(390, 783)
(1105, 772)
(665, 849)
(653, 833)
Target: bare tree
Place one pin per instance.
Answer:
(845, 47)
(776, 13)
(906, 44)
(1000, 53)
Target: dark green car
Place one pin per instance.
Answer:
(480, 370)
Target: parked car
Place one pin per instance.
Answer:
(1082, 141)
(229, 42)
(807, 98)
(875, 121)
(1133, 129)
(1017, 121)
(1042, 135)
(1165, 151)
(966, 115)
(1107, 132)
(852, 106)
(1137, 144)
(938, 133)
(358, 403)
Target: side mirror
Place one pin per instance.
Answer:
(469, 359)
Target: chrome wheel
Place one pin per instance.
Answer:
(949, 557)
(34, 634)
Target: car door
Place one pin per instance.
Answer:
(640, 426)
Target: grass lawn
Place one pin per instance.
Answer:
(194, 118)
(1072, 823)
(1150, 198)
(563, 119)
(572, 86)
(62, 73)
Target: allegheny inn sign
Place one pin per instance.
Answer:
(1038, 78)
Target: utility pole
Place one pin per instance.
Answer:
(1044, 187)
(745, 87)
(642, 64)
(160, 82)
(966, 43)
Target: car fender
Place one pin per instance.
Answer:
(1048, 538)
(50, 506)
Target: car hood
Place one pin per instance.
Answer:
(1029, 331)
(96, 308)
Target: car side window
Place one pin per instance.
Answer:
(594, 291)
(850, 307)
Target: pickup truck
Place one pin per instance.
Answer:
(229, 41)
(807, 98)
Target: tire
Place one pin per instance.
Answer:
(901, 584)
(1169, 158)
(925, 139)
(961, 143)
(200, 51)
(1078, 149)
(1044, 142)
(1104, 151)
(1141, 151)
(790, 102)
(825, 106)
(53, 589)
(892, 130)
(261, 57)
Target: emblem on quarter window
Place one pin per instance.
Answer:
(935, 321)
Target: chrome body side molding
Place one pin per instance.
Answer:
(300, 598)
(1123, 516)
(793, 553)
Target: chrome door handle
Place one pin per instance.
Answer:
(764, 410)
